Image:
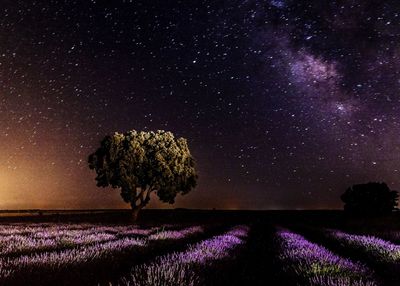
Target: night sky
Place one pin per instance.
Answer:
(284, 103)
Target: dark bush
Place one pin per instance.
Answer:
(370, 198)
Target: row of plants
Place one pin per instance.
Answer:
(193, 266)
(380, 254)
(55, 239)
(193, 256)
(308, 263)
(85, 264)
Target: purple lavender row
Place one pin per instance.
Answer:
(55, 230)
(24, 244)
(116, 231)
(56, 260)
(17, 244)
(374, 247)
(54, 238)
(316, 265)
(22, 228)
(175, 234)
(29, 229)
(184, 268)
(390, 235)
(77, 256)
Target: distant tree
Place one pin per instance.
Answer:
(370, 198)
(140, 163)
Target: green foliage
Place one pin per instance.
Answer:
(324, 269)
(140, 163)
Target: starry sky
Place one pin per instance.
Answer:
(284, 103)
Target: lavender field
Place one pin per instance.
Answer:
(222, 252)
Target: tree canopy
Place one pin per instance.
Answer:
(140, 163)
(370, 198)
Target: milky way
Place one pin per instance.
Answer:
(284, 103)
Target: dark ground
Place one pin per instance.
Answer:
(326, 218)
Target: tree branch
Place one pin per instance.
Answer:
(142, 198)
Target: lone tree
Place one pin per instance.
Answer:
(140, 163)
(370, 198)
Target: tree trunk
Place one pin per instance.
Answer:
(135, 213)
(139, 202)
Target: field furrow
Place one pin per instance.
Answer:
(97, 258)
(382, 254)
(191, 267)
(42, 241)
(311, 264)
